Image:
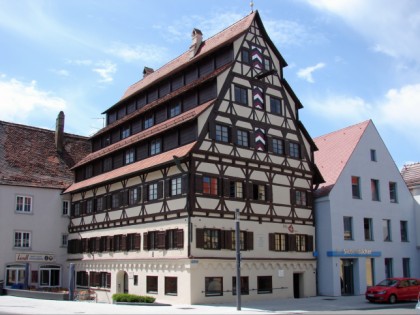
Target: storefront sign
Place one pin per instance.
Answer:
(39, 257)
(364, 252)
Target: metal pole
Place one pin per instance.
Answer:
(71, 281)
(238, 260)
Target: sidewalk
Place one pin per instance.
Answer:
(314, 305)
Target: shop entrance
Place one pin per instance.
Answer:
(347, 276)
(297, 279)
(122, 282)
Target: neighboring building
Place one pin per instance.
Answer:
(34, 170)
(364, 213)
(411, 176)
(214, 130)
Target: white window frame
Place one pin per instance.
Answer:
(65, 207)
(21, 242)
(22, 207)
(64, 240)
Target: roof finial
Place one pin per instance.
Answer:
(252, 6)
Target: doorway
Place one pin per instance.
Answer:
(122, 282)
(297, 279)
(347, 277)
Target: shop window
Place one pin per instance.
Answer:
(213, 286)
(244, 285)
(152, 284)
(171, 286)
(264, 284)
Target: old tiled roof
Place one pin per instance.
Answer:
(28, 156)
(334, 151)
(132, 168)
(211, 44)
(411, 174)
(168, 124)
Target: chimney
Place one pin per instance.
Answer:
(197, 38)
(59, 132)
(147, 71)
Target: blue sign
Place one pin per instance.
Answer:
(354, 253)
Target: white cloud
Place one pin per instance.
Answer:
(79, 62)
(306, 73)
(20, 100)
(61, 72)
(106, 70)
(289, 33)
(144, 52)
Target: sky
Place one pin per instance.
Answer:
(348, 60)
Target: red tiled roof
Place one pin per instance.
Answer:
(28, 156)
(132, 168)
(227, 35)
(334, 151)
(411, 174)
(170, 123)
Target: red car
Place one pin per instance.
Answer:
(394, 289)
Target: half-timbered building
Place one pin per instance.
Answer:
(214, 130)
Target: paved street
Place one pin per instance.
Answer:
(315, 305)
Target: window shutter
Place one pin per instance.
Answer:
(222, 239)
(108, 280)
(160, 190)
(252, 140)
(184, 182)
(271, 241)
(138, 194)
(97, 281)
(92, 278)
(98, 244)
(268, 192)
(287, 148)
(199, 243)
(167, 188)
(109, 201)
(124, 243)
(233, 135)
(179, 238)
(145, 241)
(226, 187)
(227, 240)
(137, 240)
(145, 190)
(250, 191)
(109, 245)
(161, 239)
(309, 198)
(199, 183)
(292, 196)
(270, 143)
(212, 129)
(292, 243)
(309, 243)
(249, 240)
(79, 247)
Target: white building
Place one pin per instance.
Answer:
(34, 169)
(364, 213)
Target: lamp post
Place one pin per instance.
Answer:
(238, 260)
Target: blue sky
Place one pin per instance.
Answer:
(349, 60)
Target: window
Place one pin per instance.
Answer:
(82, 278)
(125, 132)
(404, 231)
(210, 185)
(151, 240)
(348, 228)
(129, 156)
(393, 192)
(213, 286)
(50, 275)
(174, 110)
(300, 243)
(294, 150)
(133, 241)
(107, 164)
(374, 185)
(24, 204)
(99, 204)
(389, 268)
(367, 223)
(264, 284)
(241, 95)
(211, 239)
(153, 191)
(275, 105)
(115, 200)
(278, 242)
(242, 138)
(355, 187)
(222, 133)
(242, 240)
(174, 238)
(171, 286)
(77, 209)
(155, 147)
(149, 122)
(259, 192)
(64, 240)
(373, 155)
(236, 189)
(15, 274)
(133, 195)
(65, 207)
(136, 280)
(244, 285)
(278, 146)
(89, 206)
(22, 239)
(245, 56)
(176, 186)
(300, 198)
(267, 64)
(88, 171)
(386, 228)
(152, 284)
(406, 267)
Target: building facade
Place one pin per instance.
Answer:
(34, 215)
(365, 220)
(214, 130)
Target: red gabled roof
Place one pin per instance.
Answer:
(167, 124)
(222, 38)
(411, 174)
(334, 151)
(28, 156)
(132, 168)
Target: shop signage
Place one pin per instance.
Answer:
(362, 252)
(38, 257)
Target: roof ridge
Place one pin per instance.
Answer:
(345, 128)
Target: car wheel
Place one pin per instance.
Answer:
(392, 299)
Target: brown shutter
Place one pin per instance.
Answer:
(222, 239)
(250, 191)
(179, 238)
(167, 188)
(252, 140)
(212, 129)
(108, 280)
(268, 192)
(92, 278)
(97, 280)
(160, 189)
(270, 143)
(137, 240)
(249, 241)
(309, 243)
(145, 241)
(292, 196)
(145, 191)
(184, 182)
(271, 241)
(161, 236)
(138, 194)
(287, 148)
(226, 187)
(226, 236)
(309, 198)
(199, 183)
(199, 238)
(98, 244)
(292, 243)
(124, 243)
(109, 247)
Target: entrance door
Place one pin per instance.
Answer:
(347, 281)
(125, 282)
(296, 285)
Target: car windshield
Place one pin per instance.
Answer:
(387, 283)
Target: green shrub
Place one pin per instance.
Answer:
(132, 298)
